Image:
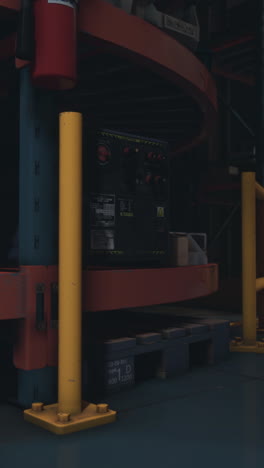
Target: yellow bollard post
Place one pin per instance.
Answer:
(250, 284)
(70, 414)
(249, 258)
(70, 268)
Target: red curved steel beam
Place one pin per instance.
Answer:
(133, 37)
(7, 47)
(233, 43)
(248, 80)
(10, 4)
(124, 34)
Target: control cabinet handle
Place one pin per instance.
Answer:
(54, 306)
(40, 313)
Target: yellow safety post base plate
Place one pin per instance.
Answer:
(238, 346)
(48, 418)
(240, 323)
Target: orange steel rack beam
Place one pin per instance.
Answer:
(111, 289)
(11, 295)
(118, 289)
(28, 295)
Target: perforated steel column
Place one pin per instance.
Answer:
(38, 179)
(38, 213)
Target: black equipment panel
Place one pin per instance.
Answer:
(126, 193)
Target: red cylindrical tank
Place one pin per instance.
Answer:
(55, 64)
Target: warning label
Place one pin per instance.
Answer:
(180, 26)
(120, 373)
(102, 210)
(103, 239)
(160, 212)
(126, 208)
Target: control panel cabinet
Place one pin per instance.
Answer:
(126, 194)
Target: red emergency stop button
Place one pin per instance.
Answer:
(150, 155)
(103, 154)
(148, 179)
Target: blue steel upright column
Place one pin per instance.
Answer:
(38, 209)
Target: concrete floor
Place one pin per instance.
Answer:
(209, 417)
